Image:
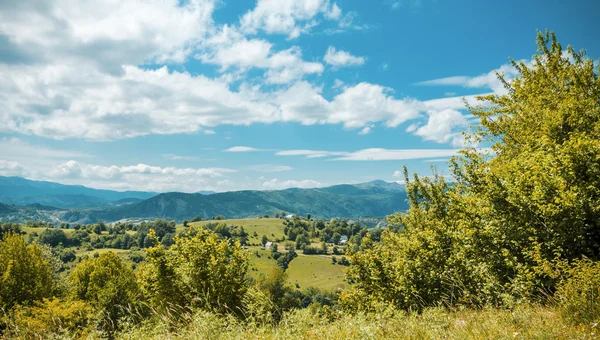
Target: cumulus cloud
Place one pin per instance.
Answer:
(109, 32)
(11, 168)
(442, 127)
(137, 177)
(84, 71)
(276, 184)
(341, 58)
(68, 169)
(397, 173)
(288, 17)
(230, 49)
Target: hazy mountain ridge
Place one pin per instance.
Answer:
(21, 191)
(377, 198)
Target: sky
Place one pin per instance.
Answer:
(175, 95)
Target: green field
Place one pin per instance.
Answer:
(316, 271)
(304, 271)
(29, 230)
(272, 227)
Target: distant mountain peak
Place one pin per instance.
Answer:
(381, 184)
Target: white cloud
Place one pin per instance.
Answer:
(372, 154)
(442, 127)
(11, 168)
(175, 157)
(379, 154)
(276, 184)
(288, 17)
(270, 168)
(341, 58)
(397, 173)
(356, 107)
(110, 32)
(136, 177)
(309, 153)
(209, 132)
(242, 149)
(230, 49)
(338, 84)
(80, 75)
(68, 169)
(487, 80)
(366, 130)
(17, 149)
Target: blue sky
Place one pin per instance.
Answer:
(225, 95)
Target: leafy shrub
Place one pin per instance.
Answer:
(26, 274)
(199, 270)
(51, 317)
(579, 295)
(108, 285)
(53, 237)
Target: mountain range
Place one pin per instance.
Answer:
(25, 199)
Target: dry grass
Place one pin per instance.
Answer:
(526, 322)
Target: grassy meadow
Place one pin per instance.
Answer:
(304, 271)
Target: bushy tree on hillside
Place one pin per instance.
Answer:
(107, 284)
(9, 227)
(199, 270)
(516, 212)
(53, 237)
(26, 274)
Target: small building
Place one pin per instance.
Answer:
(268, 245)
(289, 216)
(343, 240)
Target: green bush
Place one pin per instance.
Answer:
(50, 317)
(579, 295)
(26, 274)
(108, 285)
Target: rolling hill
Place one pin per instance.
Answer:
(377, 198)
(21, 191)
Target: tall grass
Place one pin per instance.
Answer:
(525, 322)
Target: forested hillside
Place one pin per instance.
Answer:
(377, 198)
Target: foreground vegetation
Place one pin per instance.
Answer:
(510, 248)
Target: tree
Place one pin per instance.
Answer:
(284, 261)
(107, 284)
(264, 240)
(336, 238)
(515, 212)
(186, 223)
(308, 217)
(200, 270)
(301, 241)
(53, 237)
(26, 273)
(97, 229)
(324, 248)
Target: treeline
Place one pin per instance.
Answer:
(200, 270)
